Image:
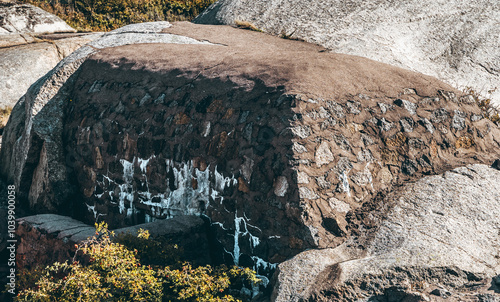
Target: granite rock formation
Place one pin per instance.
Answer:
(456, 41)
(22, 63)
(435, 238)
(273, 140)
(20, 18)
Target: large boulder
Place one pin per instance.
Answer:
(32, 42)
(455, 41)
(273, 140)
(20, 18)
(436, 237)
(23, 64)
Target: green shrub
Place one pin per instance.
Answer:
(105, 15)
(104, 270)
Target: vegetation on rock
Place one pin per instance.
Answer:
(105, 270)
(485, 104)
(4, 117)
(99, 15)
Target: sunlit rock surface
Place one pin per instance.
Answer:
(455, 41)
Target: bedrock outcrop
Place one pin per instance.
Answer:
(431, 240)
(273, 140)
(455, 41)
(21, 18)
(23, 62)
(32, 42)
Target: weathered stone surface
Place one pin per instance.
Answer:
(223, 127)
(23, 65)
(455, 41)
(46, 238)
(26, 18)
(438, 236)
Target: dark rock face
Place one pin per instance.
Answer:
(273, 140)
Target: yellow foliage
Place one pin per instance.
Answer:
(105, 15)
(115, 273)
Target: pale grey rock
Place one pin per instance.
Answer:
(455, 41)
(301, 131)
(439, 115)
(281, 186)
(298, 148)
(293, 277)
(323, 155)
(411, 107)
(9, 40)
(63, 227)
(22, 65)
(439, 230)
(302, 178)
(385, 125)
(427, 124)
(384, 107)
(26, 18)
(458, 121)
(37, 126)
(307, 193)
(407, 124)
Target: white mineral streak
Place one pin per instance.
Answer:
(241, 229)
(345, 183)
(183, 199)
(93, 209)
(259, 263)
(238, 231)
(207, 129)
(126, 189)
(369, 174)
(221, 183)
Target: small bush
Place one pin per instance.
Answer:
(113, 274)
(101, 15)
(103, 270)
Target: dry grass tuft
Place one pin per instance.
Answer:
(485, 104)
(246, 25)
